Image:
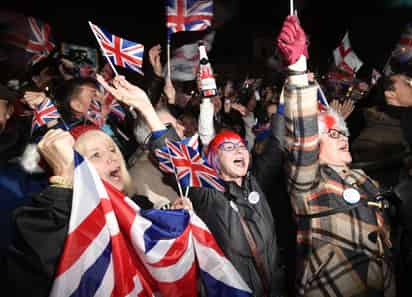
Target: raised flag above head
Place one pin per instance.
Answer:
(30, 34)
(44, 113)
(113, 248)
(345, 58)
(188, 15)
(121, 52)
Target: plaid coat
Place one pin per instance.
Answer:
(343, 253)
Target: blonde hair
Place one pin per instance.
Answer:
(80, 146)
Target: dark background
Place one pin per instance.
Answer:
(374, 27)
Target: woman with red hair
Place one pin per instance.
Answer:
(239, 218)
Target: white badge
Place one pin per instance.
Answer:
(351, 195)
(253, 197)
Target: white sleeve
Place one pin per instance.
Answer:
(206, 127)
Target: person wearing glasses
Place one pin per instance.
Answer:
(343, 234)
(239, 217)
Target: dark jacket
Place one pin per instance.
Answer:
(216, 209)
(41, 230)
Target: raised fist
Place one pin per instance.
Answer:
(292, 40)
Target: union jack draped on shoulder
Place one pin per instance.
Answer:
(115, 249)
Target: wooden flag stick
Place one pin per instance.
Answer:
(174, 168)
(102, 49)
(168, 60)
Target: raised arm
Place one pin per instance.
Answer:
(135, 97)
(301, 112)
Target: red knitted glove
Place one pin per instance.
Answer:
(292, 40)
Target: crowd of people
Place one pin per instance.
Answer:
(295, 218)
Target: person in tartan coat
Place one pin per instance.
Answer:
(343, 237)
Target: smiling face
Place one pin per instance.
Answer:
(102, 152)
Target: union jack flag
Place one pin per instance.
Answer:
(191, 169)
(117, 110)
(113, 248)
(94, 114)
(43, 114)
(188, 15)
(34, 37)
(120, 51)
(163, 155)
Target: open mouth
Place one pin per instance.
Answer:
(115, 174)
(239, 162)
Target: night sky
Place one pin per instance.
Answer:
(374, 31)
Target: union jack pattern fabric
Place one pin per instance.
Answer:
(117, 110)
(34, 37)
(163, 154)
(94, 114)
(43, 114)
(191, 169)
(113, 248)
(120, 51)
(188, 15)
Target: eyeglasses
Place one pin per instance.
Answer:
(335, 134)
(229, 146)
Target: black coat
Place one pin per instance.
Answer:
(216, 210)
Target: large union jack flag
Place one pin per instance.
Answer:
(120, 51)
(115, 249)
(191, 169)
(44, 113)
(188, 15)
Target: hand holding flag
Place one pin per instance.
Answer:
(113, 248)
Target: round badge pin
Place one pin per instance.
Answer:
(254, 197)
(351, 196)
